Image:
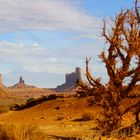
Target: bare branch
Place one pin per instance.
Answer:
(137, 11)
(122, 61)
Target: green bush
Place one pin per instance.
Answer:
(30, 100)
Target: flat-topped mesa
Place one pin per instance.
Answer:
(73, 77)
(70, 80)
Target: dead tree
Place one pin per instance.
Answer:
(122, 61)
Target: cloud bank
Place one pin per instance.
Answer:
(44, 15)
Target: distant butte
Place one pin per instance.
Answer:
(70, 80)
(22, 84)
(1, 82)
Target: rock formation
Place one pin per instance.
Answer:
(70, 80)
(2, 87)
(22, 84)
(1, 82)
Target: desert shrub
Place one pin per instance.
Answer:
(33, 101)
(15, 107)
(52, 97)
(60, 96)
(86, 116)
(59, 118)
(42, 97)
(57, 108)
(30, 100)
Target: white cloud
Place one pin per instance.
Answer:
(20, 54)
(88, 36)
(32, 58)
(15, 52)
(44, 15)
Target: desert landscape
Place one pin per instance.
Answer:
(103, 104)
(56, 114)
(30, 113)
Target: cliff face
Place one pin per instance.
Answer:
(70, 80)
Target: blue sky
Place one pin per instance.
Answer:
(42, 40)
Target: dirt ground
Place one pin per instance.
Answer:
(63, 117)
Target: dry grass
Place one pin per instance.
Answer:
(4, 109)
(21, 132)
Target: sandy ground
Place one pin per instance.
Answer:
(60, 117)
(56, 117)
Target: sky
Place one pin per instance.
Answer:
(44, 39)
